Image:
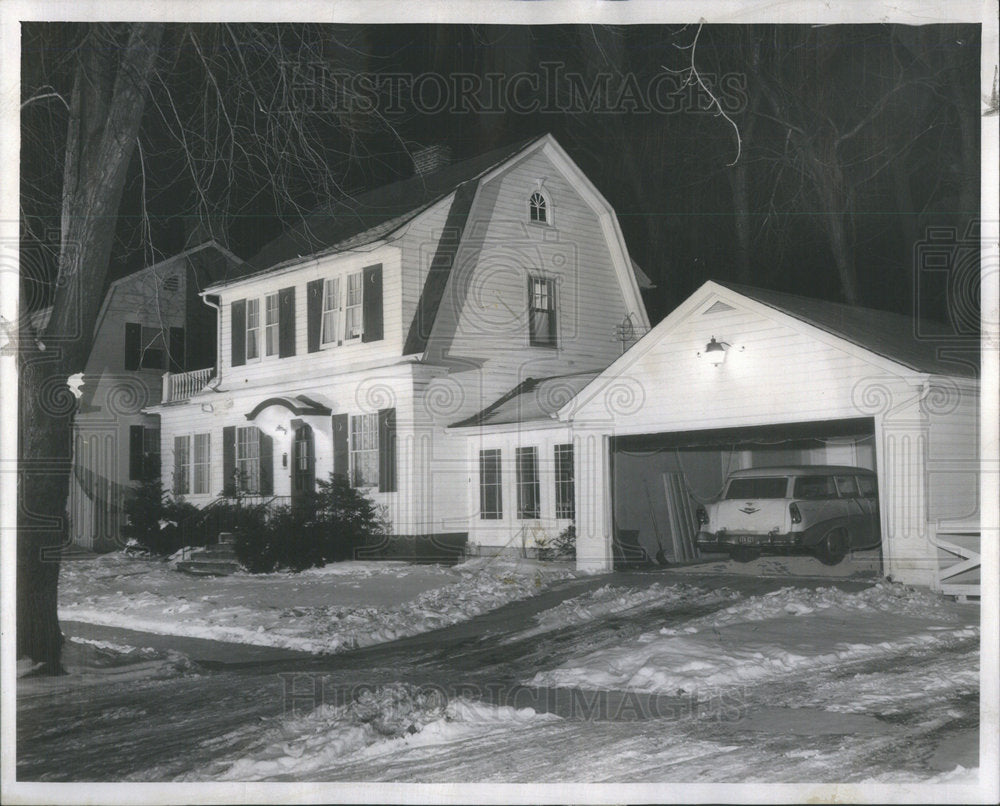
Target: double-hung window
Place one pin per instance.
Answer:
(565, 504)
(248, 459)
(490, 486)
(353, 320)
(253, 329)
(528, 491)
(201, 464)
(192, 464)
(271, 324)
(364, 450)
(182, 465)
(541, 312)
(331, 311)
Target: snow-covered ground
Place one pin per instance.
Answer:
(340, 606)
(788, 631)
(796, 685)
(666, 676)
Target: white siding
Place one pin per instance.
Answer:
(329, 360)
(352, 393)
(482, 328)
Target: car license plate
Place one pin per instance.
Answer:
(746, 539)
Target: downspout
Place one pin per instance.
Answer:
(218, 342)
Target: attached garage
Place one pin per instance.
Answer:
(739, 377)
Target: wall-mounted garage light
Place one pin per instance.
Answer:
(715, 351)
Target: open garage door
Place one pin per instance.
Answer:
(659, 479)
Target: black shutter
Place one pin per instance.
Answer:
(133, 345)
(266, 464)
(387, 450)
(135, 452)
(238, 332)
(228, 459)
(286, 322)
(340, 450)
(314, 313)
(552, 313)
(371, 307)
(176, 349)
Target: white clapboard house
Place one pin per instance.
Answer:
(470, 347)
(354, 342)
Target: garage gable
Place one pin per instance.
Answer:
(775, 368)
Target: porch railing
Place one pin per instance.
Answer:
(181, 385)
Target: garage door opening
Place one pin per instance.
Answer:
(658, 480)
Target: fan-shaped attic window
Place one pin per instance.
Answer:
(538, 208)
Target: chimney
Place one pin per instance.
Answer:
(431, 158)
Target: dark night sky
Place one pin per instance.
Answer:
(875, 126)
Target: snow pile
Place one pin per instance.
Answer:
(610, 599)
(886, 597)
(339, 607)
(387, 719)
(789, 632)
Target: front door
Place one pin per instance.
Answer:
(303, 463)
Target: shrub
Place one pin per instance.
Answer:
(560, 547)
(326, 526)
(154, 521)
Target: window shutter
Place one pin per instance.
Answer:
(238, 332)
(133, 345)
(266, 464)
(286, 322)
(314, 312)
(135, 452)
(180, 478)
(228, 459)
(372, 303)
(387, 450)
(552, 312)
(176, 349)
(340, 455)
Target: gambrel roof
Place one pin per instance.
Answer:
(354, 221)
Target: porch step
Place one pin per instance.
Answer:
(217, 560)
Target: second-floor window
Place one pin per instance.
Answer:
(269, 319)
(253, 329)
(541, 312)
(271, 324)
(331, 311)
(345, 308)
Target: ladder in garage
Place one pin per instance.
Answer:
(967, 559)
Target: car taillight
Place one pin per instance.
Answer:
(702, 515)
(793, 510)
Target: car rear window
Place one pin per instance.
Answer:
(767, 487)
(815, 487)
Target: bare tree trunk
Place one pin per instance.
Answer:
(107, 104)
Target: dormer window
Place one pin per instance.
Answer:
(538, 208)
